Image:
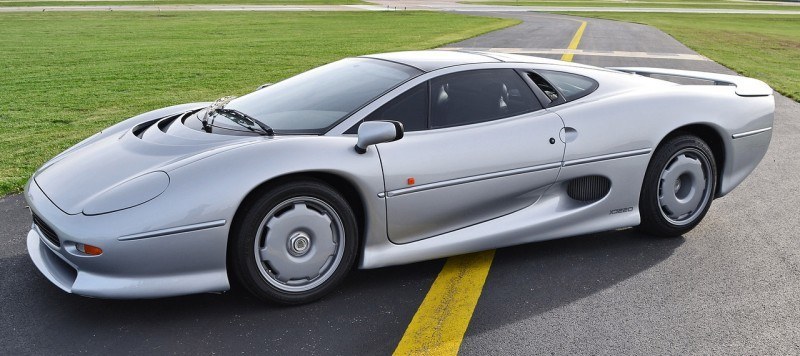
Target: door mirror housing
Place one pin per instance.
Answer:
(374, 132)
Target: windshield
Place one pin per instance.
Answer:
(312, 102)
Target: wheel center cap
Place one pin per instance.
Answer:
(677, 184)
(299, 244)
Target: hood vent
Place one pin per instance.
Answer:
(139, 129)
(162, 124)
(165, 123)
(185, 129)
(109, 161)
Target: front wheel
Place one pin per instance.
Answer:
(678, 186)
(295, 243)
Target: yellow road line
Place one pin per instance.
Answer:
(439, 324)
(441, 321)
(574, 43)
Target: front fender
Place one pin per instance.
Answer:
(214, 188)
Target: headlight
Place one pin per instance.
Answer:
(128, 194)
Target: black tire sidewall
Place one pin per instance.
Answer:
(243, 237)
(653, 222)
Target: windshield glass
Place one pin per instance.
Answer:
(312, 102)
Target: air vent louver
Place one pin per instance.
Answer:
(588, 188)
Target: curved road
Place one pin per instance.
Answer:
(729, 286)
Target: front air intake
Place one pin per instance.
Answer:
(48, 232)
(588, 188)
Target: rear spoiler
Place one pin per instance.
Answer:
(744, 86)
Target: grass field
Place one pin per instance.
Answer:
(766, 47)
(68, 75)
(174, 2)
(688, 4)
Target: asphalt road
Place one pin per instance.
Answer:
(729, 286)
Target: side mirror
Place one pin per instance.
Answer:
(374, 132)
(262, 86)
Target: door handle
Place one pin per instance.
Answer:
(568, 134)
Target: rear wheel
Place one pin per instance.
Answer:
(295, 243)
(678, 186)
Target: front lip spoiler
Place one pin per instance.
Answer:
(71, 280)
(53, 267)
(118, 275)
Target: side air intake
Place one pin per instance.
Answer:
(588, 188)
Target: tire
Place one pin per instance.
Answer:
(295, 243)
(678, 186)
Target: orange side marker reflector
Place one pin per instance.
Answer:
(89, 249)
(411, 181)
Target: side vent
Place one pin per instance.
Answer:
(588, 188)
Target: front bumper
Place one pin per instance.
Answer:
(184, 262)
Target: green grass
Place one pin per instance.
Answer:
(686, 4)
(174, 2)
(766, 47)
(66, 76)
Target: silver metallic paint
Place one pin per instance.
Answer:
(210, 176)
(374, 132)
(465, 154)
(750, 133)
(599, 158)
(173, 230)
(744, 86)
(442, 184)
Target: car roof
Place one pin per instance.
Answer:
(431, 60)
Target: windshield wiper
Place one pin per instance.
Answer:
(234, 114)
(218, 107)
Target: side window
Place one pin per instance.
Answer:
(572, 86)
(410, 108)
(549, 91)
(479, 95)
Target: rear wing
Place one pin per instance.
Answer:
(744, 86)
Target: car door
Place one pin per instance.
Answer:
(478, 146)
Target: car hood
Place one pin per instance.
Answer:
(73, 179)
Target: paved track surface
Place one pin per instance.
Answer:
(729, 286)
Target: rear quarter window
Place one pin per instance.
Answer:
(571, 86)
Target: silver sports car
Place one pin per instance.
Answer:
(388, 159)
